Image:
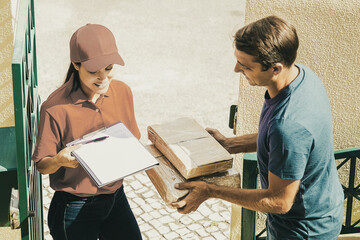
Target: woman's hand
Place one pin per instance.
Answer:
(65, 159)
(49, 165)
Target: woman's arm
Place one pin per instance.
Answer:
(49, 165)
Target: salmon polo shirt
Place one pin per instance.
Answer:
(66, 116)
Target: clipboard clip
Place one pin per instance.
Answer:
(89, 135)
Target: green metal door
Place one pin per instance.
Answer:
(26, 104)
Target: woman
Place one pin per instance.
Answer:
(87, 101)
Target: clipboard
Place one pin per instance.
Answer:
(116, 155)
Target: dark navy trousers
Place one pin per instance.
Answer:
(104, 217)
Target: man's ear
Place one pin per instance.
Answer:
(277, 68)
(76, 66)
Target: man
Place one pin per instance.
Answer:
(300, 191)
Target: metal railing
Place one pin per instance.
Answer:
(348, 161)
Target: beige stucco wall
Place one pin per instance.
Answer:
(6, 49)
(329, 33)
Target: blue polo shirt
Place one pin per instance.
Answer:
(295, 142)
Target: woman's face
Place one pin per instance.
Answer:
(94, 83)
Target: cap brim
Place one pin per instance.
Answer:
(96, 64)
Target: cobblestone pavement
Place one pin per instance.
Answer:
(157, 221)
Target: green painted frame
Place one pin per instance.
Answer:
(26, 110)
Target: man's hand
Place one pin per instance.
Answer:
(199, 192)
(217, 135)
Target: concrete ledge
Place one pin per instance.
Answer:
(6, 233)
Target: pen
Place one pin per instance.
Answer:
(93, 140)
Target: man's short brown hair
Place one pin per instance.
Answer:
(270, 40)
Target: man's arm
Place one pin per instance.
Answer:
(278, 198)
(238, 144)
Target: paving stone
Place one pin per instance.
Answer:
(152, 234)
(208, 238)
(196, 216)
(218, 235)
(226, 215)
(48, 237)
(45, 181)
(130, 178)
(202, 232)
(212, 229)
(215, 207)
(145, 227)
(206, 222)
(146, 217)
(176, 215)
(183, 231)
(136, 185)
(147, 208)
(163, 212)
(131, 195)
(164, 229)
(171, 235)
(139, 201)
(194, 227)
(141, 190)
(191, 236)
(140, 221)
(204, 210)
(148, 194)
(151, 200)
(132, 203)
(157, 205)
(155, 214)
(137, 211)
(156, 223)
(216, 217)
(46, 201)
(185, 220)
(174, 226)
(223, 225)
(142, 178)
(166, 219)
(170, 210)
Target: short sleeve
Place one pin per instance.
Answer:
(289, 148)
(134, 127)
(48, 141)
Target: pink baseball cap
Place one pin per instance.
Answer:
(94, 46)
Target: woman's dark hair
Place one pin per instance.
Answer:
(269, 40)
(72, 71)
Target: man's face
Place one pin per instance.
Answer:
(252, 70)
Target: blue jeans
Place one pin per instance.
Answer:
(104, 217)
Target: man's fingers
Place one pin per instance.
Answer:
(180, 204)
(186, 210)
(184, 185)
(210, 130)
